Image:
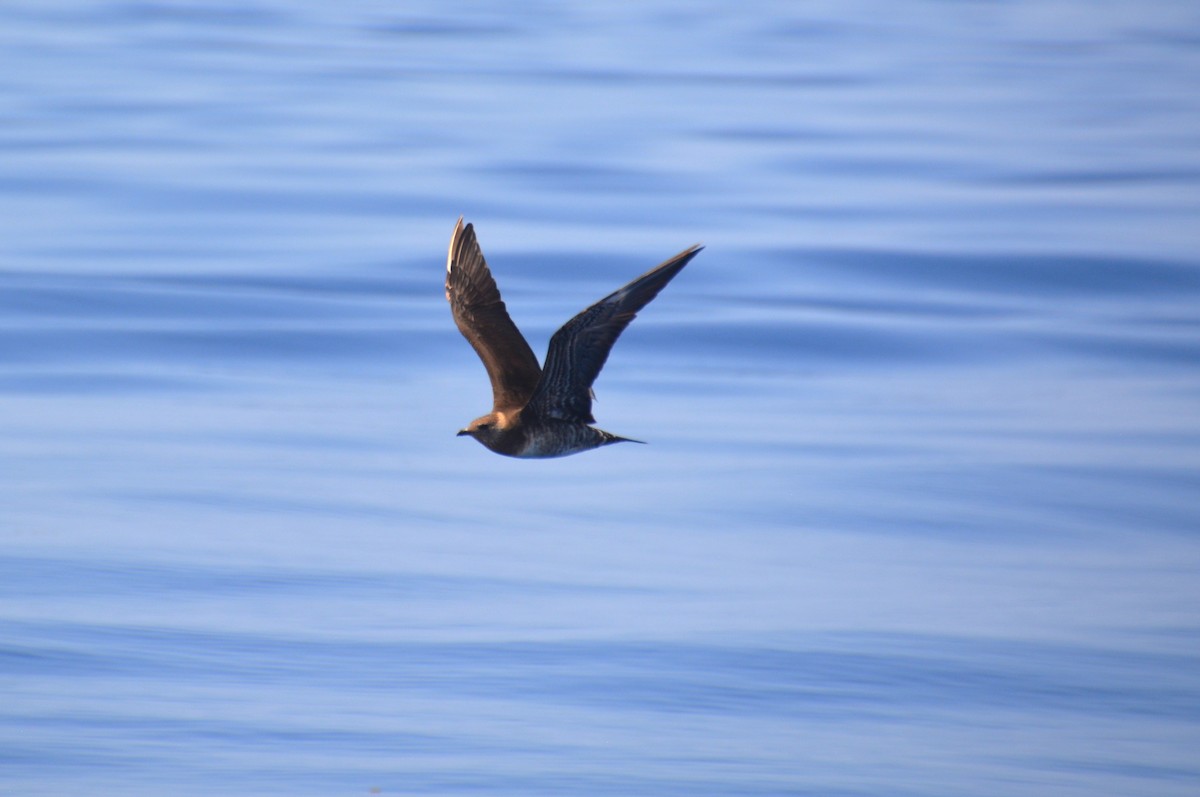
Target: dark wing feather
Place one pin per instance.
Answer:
(483, 320)
(580, 348)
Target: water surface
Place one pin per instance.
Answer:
(918, 511)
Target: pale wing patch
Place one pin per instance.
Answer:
(458, 226)
(450, 254)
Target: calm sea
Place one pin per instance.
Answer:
(920, 509)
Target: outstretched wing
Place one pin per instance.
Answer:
(580, 348)
(483, 320)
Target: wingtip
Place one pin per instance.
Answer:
(456, 237)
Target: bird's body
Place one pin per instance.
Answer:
(536, 411)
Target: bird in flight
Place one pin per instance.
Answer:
(536, 411)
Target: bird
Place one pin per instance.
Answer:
(541, 411)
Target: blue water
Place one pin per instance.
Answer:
(920, 509)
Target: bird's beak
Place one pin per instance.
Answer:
(462, 432)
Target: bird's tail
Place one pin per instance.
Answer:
(609, 438)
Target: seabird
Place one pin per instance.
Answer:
(541, 412)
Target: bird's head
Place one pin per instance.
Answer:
(486, 429)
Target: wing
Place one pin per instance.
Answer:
(483, 320)
(580, 348)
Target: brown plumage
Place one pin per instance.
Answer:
(541, 412)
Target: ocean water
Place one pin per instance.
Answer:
(919, 512)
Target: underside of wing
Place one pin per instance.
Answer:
(483, 320)
(580, 348)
